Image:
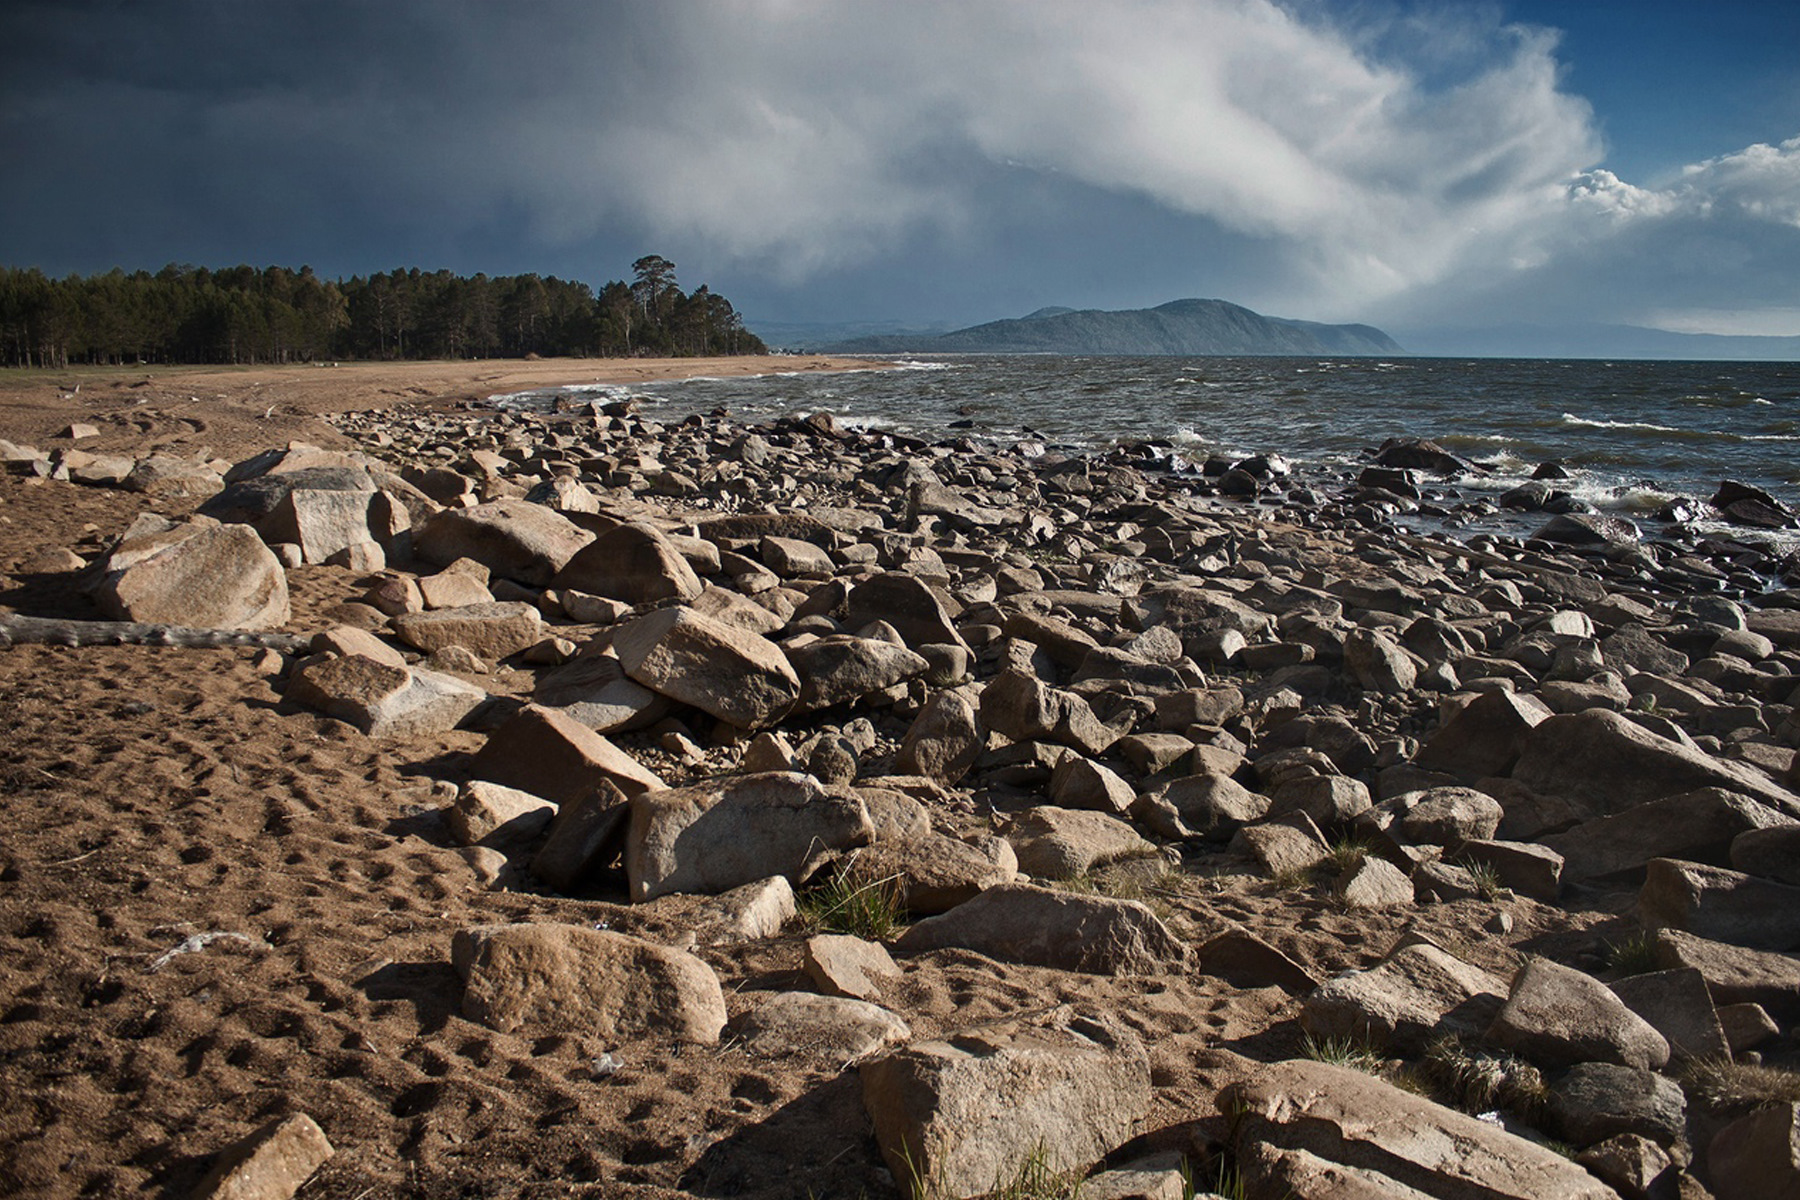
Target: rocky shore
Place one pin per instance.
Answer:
(571, 804)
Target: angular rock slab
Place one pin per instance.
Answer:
(836, 1027)
(1726, 906)
(201, 575)
(1758, 1157)
(1320, 1130)
(1609, 762)
(633, 563)
(381, 700)
(959, 1118)
(539, 750)
(1062, 843)
(526, 543)
(933, 872)
(1047, 928)
(842, 670)
(722, 833)
(492, 631)
(593, 982)
(1733, 974)
(944, 740)
(730, 673)
(1557, 1016)
(841, 965)
(1415, 994)
(270, 1164)
(1697, 826)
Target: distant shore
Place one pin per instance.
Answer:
(247, 408)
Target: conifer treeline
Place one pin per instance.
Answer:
(186, 314)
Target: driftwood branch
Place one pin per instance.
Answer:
(58, 631)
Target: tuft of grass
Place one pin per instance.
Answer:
(1294, 879)
(1635, 955)
(1486, 878)
(1476, 1080)
(1344, 1052)
(1036, 1179)
(866, 908)
(1734, 1088)
(1346, 854)
(1220, 1177)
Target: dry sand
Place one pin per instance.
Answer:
(154, 798)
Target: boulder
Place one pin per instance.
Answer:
(1417, 993)
(1557, 1016)
(1594, 1101)
(324, 523)
(944, 740)
(169, 476)
(841, 965)
(1772, 853)
(1611, 763)
(1023, 708)
(962, 1117)
(1062, 843)
(1733, 974)
(526, 543)
(270, 1164)
(1679, 1006)
(933, 873)
(1374, 883)
(729, 673)
(1698, 826)
(541, 751)
(1244, 960)
(1758, 1157)
(1200, 806)
(841, 669)
(1313, 1129)
(719, 834)
(835, 1027)
(594, 983)
(1716, 903)
(491, 631)
(908, 604)
(489, 814)
(1047, 928)
(196, 574)
(634, 563)
(1078, 782)
(585, 835)
(592, 690)
(1484, 737)
(382, 700)
(1379, 663)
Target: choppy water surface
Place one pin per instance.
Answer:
(1632, 433)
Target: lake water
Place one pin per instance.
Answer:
(1632, 434)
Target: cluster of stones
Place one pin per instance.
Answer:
(768, 654)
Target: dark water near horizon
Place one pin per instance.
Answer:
(1633, 434)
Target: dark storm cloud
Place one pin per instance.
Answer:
(967, 151)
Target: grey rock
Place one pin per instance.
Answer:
(1417, 993)
(1557, 1016)
(1724, 905)
(1047, 928)
(524, 542)
(727, 672)
(961, 1116)
(1595, 1101)
(835, 1027)
(633, 563)
(1061, 843)
(384, 701)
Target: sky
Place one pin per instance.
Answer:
(1406, 164)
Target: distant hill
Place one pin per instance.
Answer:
(1594, 340)
(1179, 327)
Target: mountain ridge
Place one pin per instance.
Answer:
(1179, 327)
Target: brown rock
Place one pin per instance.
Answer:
(541, 751)
(1047, 928)
(492, 631)
(270, 1164)
(727, 672)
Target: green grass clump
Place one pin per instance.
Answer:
(1486, 878)
(848, 903)
(1036, 1179)
(1344, 1052)
(1635, 955)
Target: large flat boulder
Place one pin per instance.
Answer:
(1047, 928)
(720, 834)
(492, 631)
(1611, 763)
(197, 574)
(542, 751)
(634, 563)
(1557, 1016)
(961, 1117)
(1417, 993)
(1721, 904)
(737, 676)
(1313, 1129)
(841, 669)
(595, 983)
(1696, 826)
(523, 542)
(382, 700)
(1735, 975)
